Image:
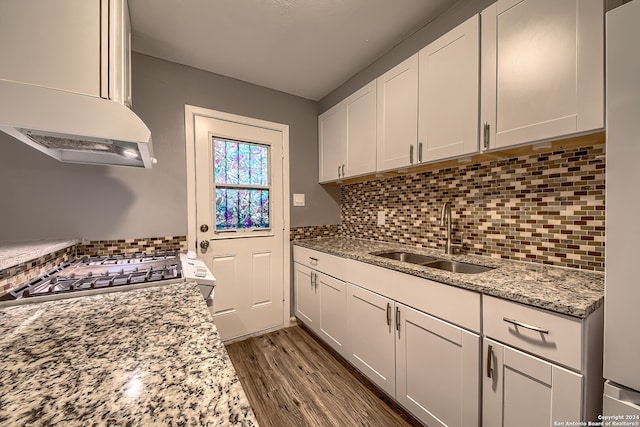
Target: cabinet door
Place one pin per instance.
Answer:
(437, 369)
(522, 390)
(333, 312)
(361, 131)
(371, 327)
(332, 128)
(448, 106)
(307, 302)
(52, 44)
(542, 69)
(397, 134)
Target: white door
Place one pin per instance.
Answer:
(240, 218)
(437, 370)
(371, 335)
(522, 390)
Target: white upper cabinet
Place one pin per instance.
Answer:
(347, 136)
(448, 104)
(332, 144)
(361, 131)
(542, 70)
(58, 45)
(79, 46)
(398, 116)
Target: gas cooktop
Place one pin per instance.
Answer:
(91, 274)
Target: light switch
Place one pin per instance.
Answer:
(381, 218)
(298, 199)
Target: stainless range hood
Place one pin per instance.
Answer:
(74, 128)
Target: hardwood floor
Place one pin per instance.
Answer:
(292, 379)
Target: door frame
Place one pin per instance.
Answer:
(190, 114)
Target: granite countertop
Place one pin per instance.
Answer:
(144, 357)
(573, 292)
(14, 253)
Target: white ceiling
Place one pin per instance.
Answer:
(303, 47)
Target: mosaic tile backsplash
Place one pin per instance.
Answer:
(314, 232)
(130, 246)
(546, 208)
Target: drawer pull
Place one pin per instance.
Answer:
(524, 325)
(314, 261)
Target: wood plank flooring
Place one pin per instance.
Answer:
(292, 379)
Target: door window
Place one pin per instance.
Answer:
(242, 186)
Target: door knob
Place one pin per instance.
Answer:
(204, 244)
(204, 228)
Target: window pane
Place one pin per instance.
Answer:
(241, 209)
(241, 164)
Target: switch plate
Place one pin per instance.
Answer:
(298, 199)
(381, 218)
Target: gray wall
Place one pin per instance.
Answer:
(43, 198)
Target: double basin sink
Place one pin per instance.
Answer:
(428, 261)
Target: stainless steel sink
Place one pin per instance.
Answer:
(406, 257)
(428, 261)
(458, 267)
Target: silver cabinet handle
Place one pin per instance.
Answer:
(338, 171)
(411, 153)
(312, 277)
(343, 170)
(313, 261)
(388, 314)
(489, 361)
(486, 135)
(419, 152)
(398, 321)
(524, 325)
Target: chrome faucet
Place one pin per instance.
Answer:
(446, 214)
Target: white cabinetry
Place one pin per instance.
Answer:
(307, 300)
(320, 299)
(448, 104)
(437, 367)
(542, 70)
(541, 367)
(347, 136)
(398, 116)
(371, 333)
(523, 390)
(80, 46)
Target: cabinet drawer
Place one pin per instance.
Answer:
(549, 335)
(320, 261)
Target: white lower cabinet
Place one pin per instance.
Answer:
(320, 303)
(437, 366)
(371, 328)
(525, 391)
(333, 312)
(431, 367)
(307, 307)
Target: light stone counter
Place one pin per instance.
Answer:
(148, 357)
(576, 293)
(14, 253)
